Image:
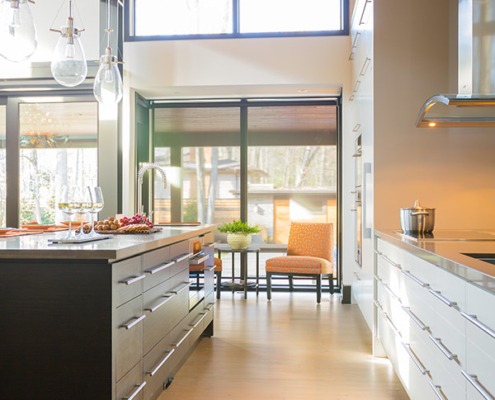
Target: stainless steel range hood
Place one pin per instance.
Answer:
(474, 105)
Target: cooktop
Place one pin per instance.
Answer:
(449, 235)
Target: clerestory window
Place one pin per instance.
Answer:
(186, 19)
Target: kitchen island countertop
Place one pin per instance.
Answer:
(115, 248)
(451, 256)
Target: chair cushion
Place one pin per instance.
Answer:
(299, 264)
(313, 239)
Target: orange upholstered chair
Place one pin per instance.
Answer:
(309, 253)
(197, 269)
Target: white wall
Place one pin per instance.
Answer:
(451, 170)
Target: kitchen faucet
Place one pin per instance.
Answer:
(141, 172)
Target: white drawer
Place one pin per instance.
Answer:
(480, 364)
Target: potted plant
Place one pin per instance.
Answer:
(238, 233)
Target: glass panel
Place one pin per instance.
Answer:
(211, 183)
(3, 170)
(58, 145)
(206, 167)
(291, 179)
(182, 17)
(289, 15)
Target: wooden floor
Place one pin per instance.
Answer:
(286, 349)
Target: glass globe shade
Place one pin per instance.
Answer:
(68, 66)
(108, 82)
(17, 30)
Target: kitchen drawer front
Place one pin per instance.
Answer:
(179, 248)
(390, 304)
(127, 280)
(128, 333)
(394, 254)
(419, 301)
(420, 269)
(156, 266)
(157, 369)
(132, 385)
(480, 318)
(159, 304)
(209, 280)
(481, 367)
(390, 275)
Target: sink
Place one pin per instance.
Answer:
(486, 257)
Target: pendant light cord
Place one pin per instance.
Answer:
(108, 23)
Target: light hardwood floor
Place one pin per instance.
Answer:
(287, 349)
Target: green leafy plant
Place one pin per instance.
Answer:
(238, 226)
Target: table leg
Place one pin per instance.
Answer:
(233, 272)
(257, 273)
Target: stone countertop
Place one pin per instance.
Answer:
(115, 248)
(450, 255)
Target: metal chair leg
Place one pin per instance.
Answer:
(291, 283)
(219, 283)
(318, 289)
(268, 286)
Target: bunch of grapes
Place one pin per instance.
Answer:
(136, 219)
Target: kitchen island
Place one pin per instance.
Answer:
(433, 313)
(110, 319)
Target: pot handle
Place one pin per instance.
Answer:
(420, 213)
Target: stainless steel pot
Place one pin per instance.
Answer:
(417, 219)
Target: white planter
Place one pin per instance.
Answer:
(239, 240)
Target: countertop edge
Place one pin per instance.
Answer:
(97, 250)
(449, 256)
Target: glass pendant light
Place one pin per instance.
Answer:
(108, 82)
(17, 31)
(68, 66)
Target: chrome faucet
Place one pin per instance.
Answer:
(141, 172)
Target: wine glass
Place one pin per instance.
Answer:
(86, 206)
(97, 203)
(69, 203)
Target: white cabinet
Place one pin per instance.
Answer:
(445, 325)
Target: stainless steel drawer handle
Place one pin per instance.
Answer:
(415, 318)
(195, 261)
(180, 288)
(442, 298)
(167, 297)
(160, 364)
(133, 279)
(209, 269)
(189, 331)
(183, 257)
(209, 306)
(388, 260)
(474, 320)
(201, 318)
(415, 359)
(438, 391)
(136, 392)
(159, 268)
(390, 291)
(415, 279)
(446, 352)
(473, 380)
(133, 322)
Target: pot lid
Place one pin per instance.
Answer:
(417, 207)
